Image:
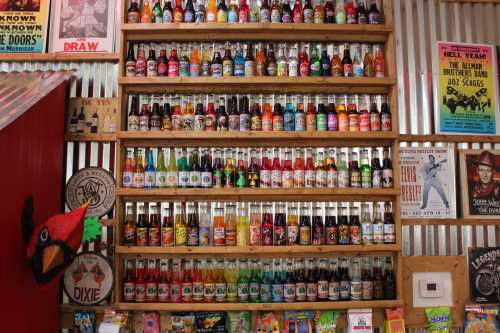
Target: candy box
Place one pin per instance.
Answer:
(481, 319)
(210, 322)
(326, 321)
(239, 322)
(359, 321)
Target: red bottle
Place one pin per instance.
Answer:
(299, 170)
(364, 118)
(173, 64)
(163, 63)
(152, 282)
(244, 13)
(303, 63)
(129, 283)
(163, 283)
(310, 118)
(267, 225)
(178, 11)
(277, 171)
(287, 171)
(310, 172)
(265, 170)
(175, 284)
(140, 282)
(187, 284)
(197, 284)
(210, 118)
(298, 13)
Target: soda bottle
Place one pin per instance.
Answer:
(194, 170)
(218, 169)
(198, 288)
(222, 12)
(347, 62)
(199, 118)
(230, 225)
(389, 280)
(312, 281)
(277, 171)
(319, 12)
(293, 62)
(187, 282)
(280, 225)
(188, 115)
(142, 227)
(255, 225)
(129, 283)
(343, 227)
(209, 280)
(146, 13)
(205, 232)
(354, 227)
(300, 281)
(374, 116)
(366, 170)
(345, 283)
(308, 12)
(315, 69)
(219, 226)
(254, 283)
(195, 62)
(389, 226)
(227, 62)
(140, 63)
(287, 173)
(260, 59)
(323, 281)
(355, 173)
(266, 282)
(199, 13)
(180, 226)
(366, 225)
(281, 62)
(172, 175)
(162, 63)
(278, 282)
(239, 62)
(357, 63)
(362, 13)
(292, 226)
(161, 170)
(244, 114)
(379, 62)
(193, 226)
(267, 115)
(289, 283)
(305, 226)
(220, 283)
(289, 118)
(166, 124)
(387, 180)
(366, 281)
(331, 228)
(253, 174)
(130, 62)
(350, 13)
(374, 16)
(154, 227)
(167, 228)
(368, 61)
(232, 13)
(310, 118)
(255, 118)
(376, 170)
(326, 69)
(178, 11)
(133, 116)
(249, 61)
(168, 12)
(336, 63)
(183, 170)
(333, 282)
(356, 288)
(272, 68)
(231, 276)
(343, 117)
(378, 280)
(176, 282)
(211, 11)
(228, 179)
(177, 116)
(129, 227)
(163, 282)
(133, 14)
(254, 12)
(276, 12)
(310, 170)
(242, 227)
(329, 12)
(300, 118)
(286, 12)
(244, 12)
(267, 225)
(364, 115)
(216, 67)
(331, 170)
(299, 169)
(304, 63)
(353, 115)
(277, 117)
(321, 171)
(173, 63)
(151, 64)
(385, 117)
(243, 282)
(206, 61)
(151, 282)
(265, 170)
(140, 282)
(318, 231)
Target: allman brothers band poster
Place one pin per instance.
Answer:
(427, 182)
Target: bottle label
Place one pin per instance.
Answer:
(249, 68)
(219, 236)
(205, 68)
(211, 17)
(308, 15)
(321, 178)
(167, 236)
(304, 69)
(194, 69)
(184, 67)
(319, 16)
(133, 17)
(138, 180)
(377, 178)
(334, 291)
(312, 291)
(374, 18)
(221, 16)
(254, 291)
(277, 123)
(239, 69)
(175, 292)
(154, 236)
(256, 123)
(300, 291)
(267, 234)
(321, 122)
(144, 123)
(293, 69)
(345, 290)
(197, 291)
(323, 289)
(343, 122)
(243, 16)
(364, 122)
(276, 178)
(275, 16)
(366, 178)
(305, 235)
(375, 121)
(293, 234)
(287, 178)
(386, 122)
(243, 292)
(163, 292)
(279, 235)
(216, 70)
(232, 16)
(343, 178)
(318, 234)
(378, 233)
(152, 68)
(297, 17)
(265, 178)
(206, 179)
(316, 68)
(173, 68)
(193, 236)
(172, 180)
(127, 179)
(199, 123)
(387, 178)
(244, 122)
(300, 121)
(389, 235)
(367, 232)
(331, 235)
(227, 68)
(230, 236)
(265, 292)
(130, 68)
(129, 291)
(255, 234)
(331, 178)
(234, 122)
(355, 232)
(298, 178)
(141, 236)
(167, 16)
(220, 292)
(277, 293)
(183, 178)
(151, 291)
(140, 68)
(357, 70)
(354, 122)
(289, 291)
(286, 17)
(195, 178)
(161, 178)
(367, 290)
(343, 234)
(133, 123)
(187, 291)
(180, 235)
(129, 234)
(272, 70)
(310, 178)
(140, 292)
(356, 290)
(347, 70)
(333, 122)
(208, 291)
(231, 292)
(264, 15)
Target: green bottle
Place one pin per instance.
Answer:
(161, 170)
(315, 62)
(183, 170)
(157, 13)
(343, 171)
(266, 283)
(254, 284)
(366, 170)
(241, 172)
(243, 282)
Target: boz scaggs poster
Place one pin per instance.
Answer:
(427, 182)
(23, 25)
(484, 274)
(466, 89)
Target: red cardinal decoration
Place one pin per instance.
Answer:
(52, 245)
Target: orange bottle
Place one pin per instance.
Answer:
(261, 63)
(178, 12)
(211, 11)
(267, 116)
(368, 63)
(195, 62)
(310, 118)
(146, 13)
(343, 118)
(208, 275)
(177, 116)
(198, 282)
(219, 226)
(379, 62)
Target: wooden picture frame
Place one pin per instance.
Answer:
(479, 198)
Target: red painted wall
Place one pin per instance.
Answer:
(31, 163)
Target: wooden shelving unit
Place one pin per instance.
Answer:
(60, 57)
(89, 137)
(259, 85)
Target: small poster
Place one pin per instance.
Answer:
(427, 182)
(484, 282)
(82, 26)
(482, 319)
(466, 89)
(480, 182)
(23, 25)
(98, 115)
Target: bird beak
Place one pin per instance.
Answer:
(53, 256)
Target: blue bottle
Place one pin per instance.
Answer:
(278, 282)
(289, 118)
(239, 62)
(150, 172)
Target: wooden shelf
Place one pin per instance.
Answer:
(262, 194)
(178, 307)
(257, 251)
(90, 137)
(256, 31)
(449, 138)
(258, 84)
(459, 221)
(60, 57)
(256, 139)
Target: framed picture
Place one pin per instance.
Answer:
(484, 265)
(466, 89)
(480, 183)
(24, 25)
(82, 26)
(427, 182)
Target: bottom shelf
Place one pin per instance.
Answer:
(181, 307)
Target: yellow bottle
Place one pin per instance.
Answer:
(180, 226)
(211, 11)
(242, 227)
(146, 13)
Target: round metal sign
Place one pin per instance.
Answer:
(89, 279)
(93, 185)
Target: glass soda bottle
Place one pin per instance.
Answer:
(277, 293)
(129, 227)
(267, 225)
(345, 283)
(280, 225)
(312, 281)
(220, 282)
(331, 228)
(318, 231)
(175, 282)
(242, 226)
(163, 282)
(209, 280)
(167, 228)
(193, 226)
(334, 282)
(129, 282)
(300, 281)
(266, 282)
(140, 282)
(356, 288)
(219, 226)
(366, 225)
(305, 226)
(243, 282)
(255, 225)
(292, 225)
(154, 227)
(180, 225)
(343, 227)
(231, 276)
(323, 280)
(289, 286)
(187, 282)
(142, 227)
(366, 281)
(299, 169)
(128, 170)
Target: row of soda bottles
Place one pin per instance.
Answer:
(288, 168)
(266, 280)
(254, 11)
(257, 224)
(344, 60)
(351, 113)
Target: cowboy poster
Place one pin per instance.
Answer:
(427, 182)
(480, 178)
(466, 89)
(82, 26)
(23, 25)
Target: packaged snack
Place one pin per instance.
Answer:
(481, 319)
(151, 322)
(326, 321)
(394, 322)
(298, 322)
(239, 322)
(113, 322)
(359, 321)
(438, 319)
(84, 321)
(210, 322)
(183, 323)
(267, 323)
